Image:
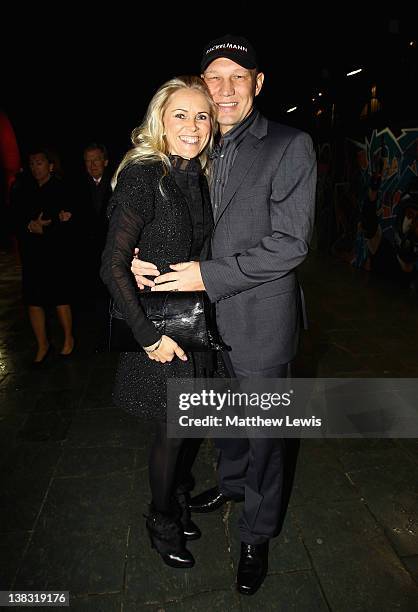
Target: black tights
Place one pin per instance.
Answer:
(170, 464)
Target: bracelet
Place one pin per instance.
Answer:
(155, 347)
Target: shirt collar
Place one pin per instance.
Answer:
(239, 129)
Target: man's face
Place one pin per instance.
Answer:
(233, 89)
(40, 167)
(95, 163)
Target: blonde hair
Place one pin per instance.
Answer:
(148, 138)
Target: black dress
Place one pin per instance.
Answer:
(47, 266)
(170, 219)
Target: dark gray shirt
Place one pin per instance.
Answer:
(224, 156)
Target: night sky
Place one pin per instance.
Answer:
(72, 83)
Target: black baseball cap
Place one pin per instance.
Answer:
(236, 48)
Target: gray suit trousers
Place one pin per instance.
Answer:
(254, 468)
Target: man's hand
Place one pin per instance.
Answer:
(186, 277)
(36, 226)
(140, 269)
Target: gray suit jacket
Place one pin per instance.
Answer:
(261, 234)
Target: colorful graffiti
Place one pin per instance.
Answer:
(376, 203)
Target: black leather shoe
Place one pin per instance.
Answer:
(210, 500)
(252, 568)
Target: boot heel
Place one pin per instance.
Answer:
(167, 538)
(190, 529)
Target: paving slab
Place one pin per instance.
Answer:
(81, 563)
(357, 568)
(392, 497)
(411, 564)
(93, 428)
(99, 387)
(92, 462)
(82, 505)
(287, 592)
(12, 547)
(319, 475)
(96, 603)
(200, 602)
(25, 478)
(50, 426)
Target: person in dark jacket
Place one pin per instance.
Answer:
(94, 195)
(161, 205)
(43, 223)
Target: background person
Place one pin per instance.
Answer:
(43, 222)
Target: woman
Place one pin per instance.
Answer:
(161, 205)
(44, 226)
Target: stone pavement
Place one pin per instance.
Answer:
(74, 475)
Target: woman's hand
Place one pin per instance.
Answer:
(141, 269)
(166, 351)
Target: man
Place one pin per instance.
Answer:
(263, 192)
(96, 192)
(99, 191)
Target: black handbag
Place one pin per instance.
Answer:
(185, 316)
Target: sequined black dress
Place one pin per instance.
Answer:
(168, 228)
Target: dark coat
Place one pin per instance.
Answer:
(47, 267)
(161, 226)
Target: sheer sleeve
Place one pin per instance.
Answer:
(130, 209)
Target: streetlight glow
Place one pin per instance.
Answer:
(354, 72)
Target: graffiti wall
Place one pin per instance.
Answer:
(376, 203)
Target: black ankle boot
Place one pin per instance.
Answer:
(190, 529)
(167, 537)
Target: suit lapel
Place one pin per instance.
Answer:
(246, 155)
